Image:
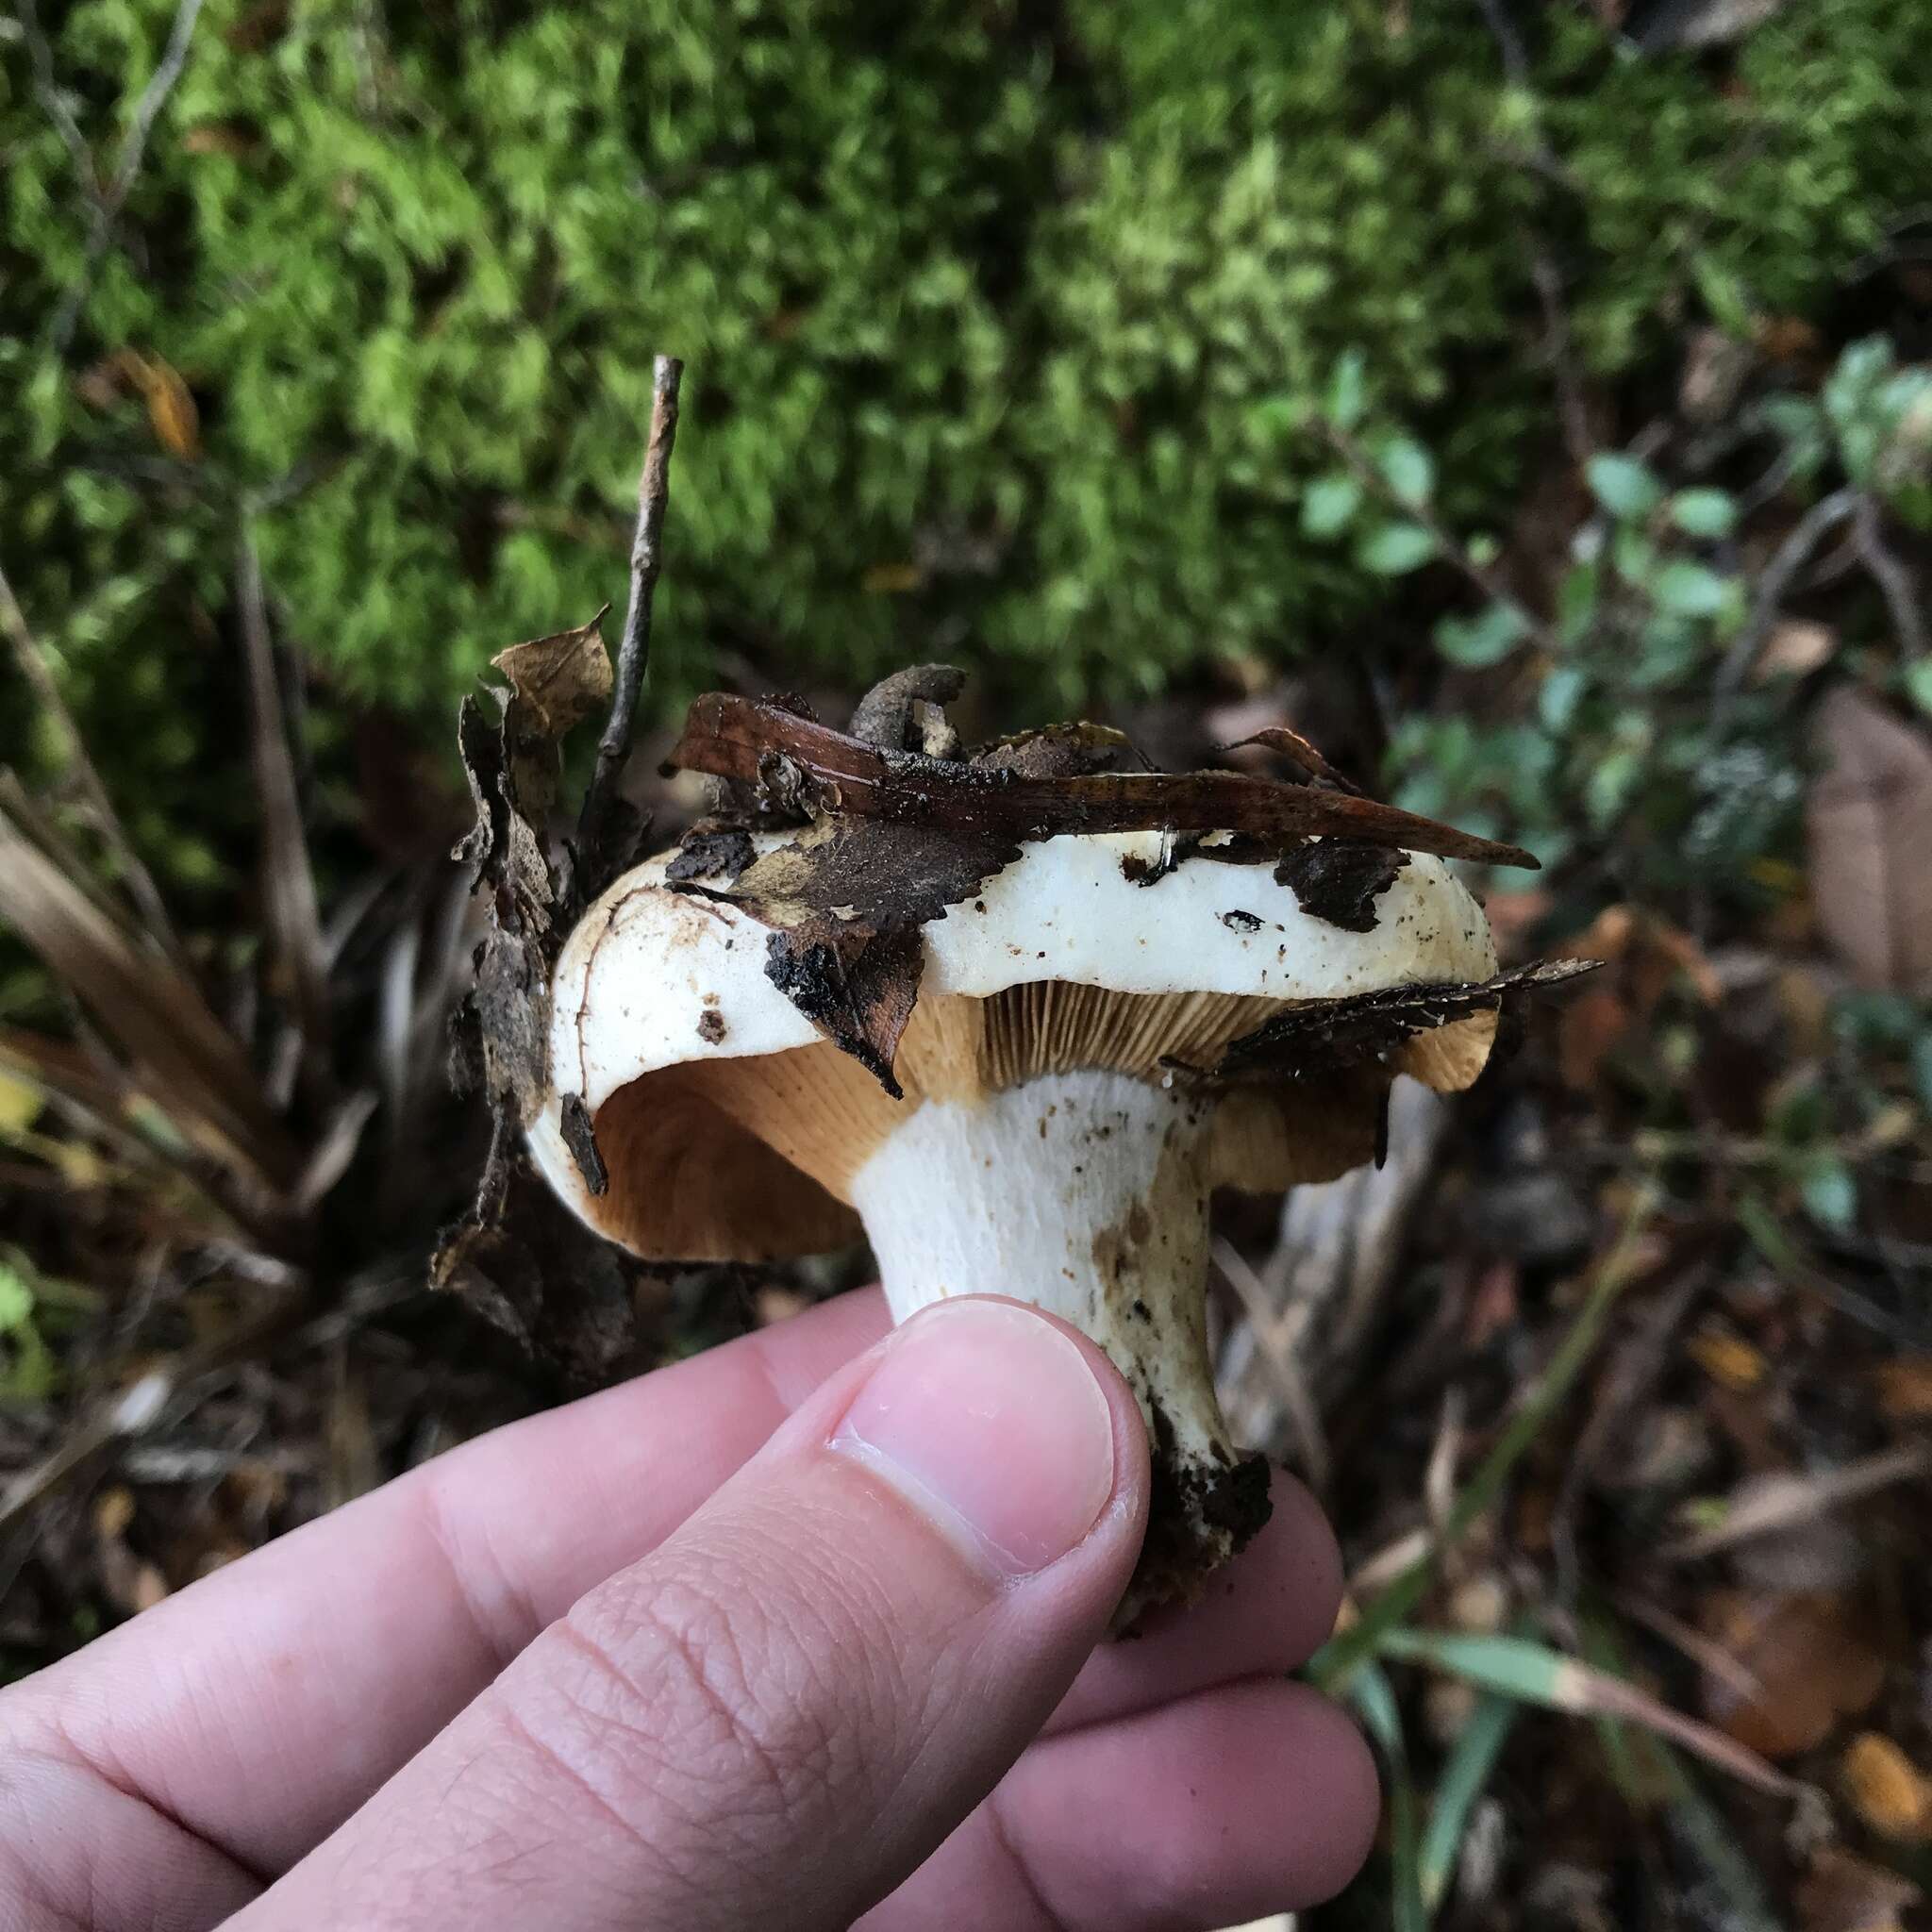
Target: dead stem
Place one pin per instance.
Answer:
(634, 646)
(108, 205)
(40, 674)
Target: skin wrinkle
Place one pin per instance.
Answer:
(1029, 1887)
(499, 1613)
(722, 1718)
(89, 1842)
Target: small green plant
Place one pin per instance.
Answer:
(1640, 739)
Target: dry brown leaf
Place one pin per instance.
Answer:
(228, 138)
(113, 1512)
(562, 679)
(152, 1011)
(1888, 1791)
(1513, 915)
(1868, 819)
(1841, 1893)
(170, 407)
(1812, 1654)
(1904, 1387)
(1726, 1358)
(1789, 338)
(1795, 648)
(1591, 1027)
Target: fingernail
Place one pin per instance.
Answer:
(987, 1418)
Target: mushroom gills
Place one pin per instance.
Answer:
(1085, 1193)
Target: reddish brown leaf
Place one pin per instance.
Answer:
(1291, 744)
(760, 744)
(1811, 1654)
(1870, 822)
(1841, 1893)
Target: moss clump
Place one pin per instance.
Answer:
(1002, 324)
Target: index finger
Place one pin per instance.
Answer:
(260, 1707)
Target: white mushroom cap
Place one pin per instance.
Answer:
(662, 996)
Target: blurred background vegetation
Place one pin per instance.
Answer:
(1529, 398)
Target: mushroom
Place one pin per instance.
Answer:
(1062, 1117)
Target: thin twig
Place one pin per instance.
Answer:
(40, 674)
(1704, 1652)
(1781, 1502)
(1559, 347)
(634, 646)
(1789, 557)
(1894, 579)
(48, 88)
(133, 151)
(1447, 548)
(137, 1410)
(1508, 42)
(1297, 1399)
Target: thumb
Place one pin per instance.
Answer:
(777, 1714)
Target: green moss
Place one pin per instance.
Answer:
(1003, 327)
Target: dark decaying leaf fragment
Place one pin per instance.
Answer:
(504, 1023)
(573, 1300)
(1338, 880)
(1058, 751)
(1329, 1036)
(1290, 743)
(738, 738)
(845, 900)
(520, 1256)
(889, 713)
(581, 1137)
(710, 851)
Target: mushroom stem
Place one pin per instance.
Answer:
(1085, 1193)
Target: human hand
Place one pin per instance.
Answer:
(764, 1639)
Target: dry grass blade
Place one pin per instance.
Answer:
(1532, 1672)
(288, 885)
(1333, 1667)
(1297, 1399)
(1783, 1502)
(40, 674)
(197, 1071)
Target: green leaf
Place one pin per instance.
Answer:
(1408, 469)
(1479, 641)
(1393, 550)
(16, 1299)
(1348, 389)
(1625, 486)
(1704, 512)
(1562, 691)
(1829, 1193)
(1330, 503)
(1460, 1785)
(1515, 1667)
(1688, 589)
(1917, 683)
(1725, 294)
(1373, 1697)
(1576, 598)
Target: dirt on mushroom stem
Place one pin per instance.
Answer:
(1085, 1193)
